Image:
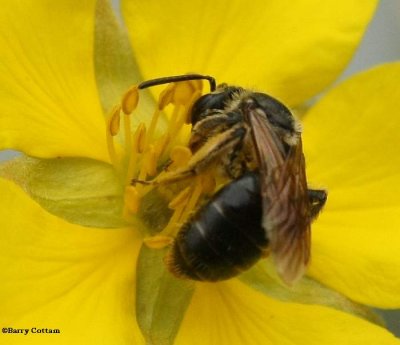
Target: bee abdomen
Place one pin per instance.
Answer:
(224, 237)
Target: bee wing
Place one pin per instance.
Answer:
(286, 218)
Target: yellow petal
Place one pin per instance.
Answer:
(48, 98)
(291, 49)
(57, 275)
(352, 146)
(231, 313)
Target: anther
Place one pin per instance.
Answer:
(179, 200)
(150, 162)
(179, 93)
(152, 127)
(197, 84)
(172, 225)
(137, 147)
(112, 129)
(132, 199)
(161, 144)
(115, 120)
(166, 96)
(140, 138)
(183, 93)
(130, 100)
(180, 155)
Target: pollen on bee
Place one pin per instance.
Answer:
(208, 183)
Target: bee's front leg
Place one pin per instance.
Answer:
(215, 122)
(207, 155)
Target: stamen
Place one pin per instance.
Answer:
(183, 92)
(130, 100)
(183, 205)
(197, 84)
(144, 155)
(178, 204)
(113, 124)
(171, 227)
(180, 199)
(180, 155)
(132, 199)
(184, 98)
(161, 145)
(140, 136)
(115, 120)
(148, 168)
(137, 148)
(127, 134)
(191, 204)
(177, 120)
(150, 162)
(158, 241)
(166, 96)
(172, 125)
(152, 127)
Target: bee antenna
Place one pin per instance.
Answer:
(177, 78)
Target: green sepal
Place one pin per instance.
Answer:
(263, 278)
(116, 69)
(161, 299)
(82, 191)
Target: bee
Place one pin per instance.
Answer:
(267, 207)
(225, 237)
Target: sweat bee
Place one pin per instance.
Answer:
(266, 208)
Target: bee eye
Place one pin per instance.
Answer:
(212, 101)
(203, 104)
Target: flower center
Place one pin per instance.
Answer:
(144, 156)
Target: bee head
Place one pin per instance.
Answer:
(216, 100)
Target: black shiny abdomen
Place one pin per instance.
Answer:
(224, 237)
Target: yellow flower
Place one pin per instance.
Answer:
(68, 259)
